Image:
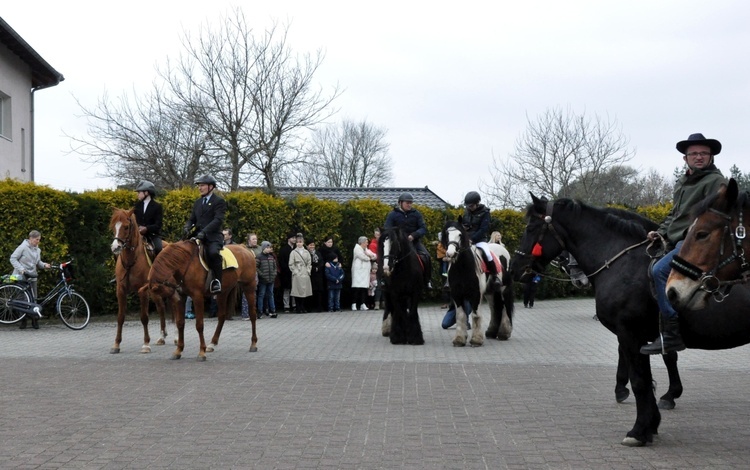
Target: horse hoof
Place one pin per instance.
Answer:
(632, 442)
(475, 344)
(209, 349)
(503, 337)
(253, 349)
(458, 344)
(201, 358)
(160, 342)
(145, 349)
(666, 404)
(114, 351)
(175, 357)
(622, 396)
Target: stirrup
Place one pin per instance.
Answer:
(215, 286)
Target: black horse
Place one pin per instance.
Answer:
(402, 287)
(468, 286)
(614, 248)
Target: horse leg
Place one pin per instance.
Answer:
(413, 327)
(385, 329)
(398, 325)
(161, 309)
(666, 402)
(198, 304)
(249, 292)
(462, 316)
(505, 308)
(221, 302)
(648, 416)
(122, 305)
(143, 296)
(495, 319)
(179, 317)
(477, 332)
(621, 379)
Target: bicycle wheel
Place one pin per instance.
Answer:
(10, 292)
(73, 310)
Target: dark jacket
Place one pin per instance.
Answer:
(335, 276)
(318, 275)
(208, 218)
(267, 268)
(477, 223)
(688, 191)
(151, 219)
(410, 221)
(286, 274)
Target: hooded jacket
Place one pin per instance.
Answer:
(689, 190)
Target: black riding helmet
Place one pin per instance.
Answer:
(206, 179)
(472, 197)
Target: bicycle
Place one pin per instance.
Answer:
(16, 300)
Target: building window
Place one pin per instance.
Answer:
(5, 130)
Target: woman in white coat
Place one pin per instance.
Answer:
(300, 264)
(361, 262)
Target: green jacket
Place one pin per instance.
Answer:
(689, 190)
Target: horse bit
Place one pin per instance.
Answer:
(708, 280)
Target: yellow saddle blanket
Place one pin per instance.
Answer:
(228, 260)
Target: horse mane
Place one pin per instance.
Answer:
(622, 221)
(397, 235)
(121, 215)
(173, 258)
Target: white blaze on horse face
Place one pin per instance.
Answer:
(454, 240)
(386, 259)
(116, 245)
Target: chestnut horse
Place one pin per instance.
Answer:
(131, 273)
(178, 271)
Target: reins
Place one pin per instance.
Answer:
(708, 281)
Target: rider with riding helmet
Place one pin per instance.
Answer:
(701, 179)
(206, 222)
(410, 220)
(476, 221)
(149, 214)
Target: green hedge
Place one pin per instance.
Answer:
(77, 225)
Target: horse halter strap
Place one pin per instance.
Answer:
(708, 280)
(536, 251)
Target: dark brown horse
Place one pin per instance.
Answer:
(178, 271)
(131, 273)
(716, 252)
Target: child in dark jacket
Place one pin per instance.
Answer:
(335, 279)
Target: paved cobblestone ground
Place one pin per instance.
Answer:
(327, 391)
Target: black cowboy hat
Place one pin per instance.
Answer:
(698, 139)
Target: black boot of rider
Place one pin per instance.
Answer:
(668, 341)
(493, 281)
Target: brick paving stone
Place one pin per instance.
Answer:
(326, 390)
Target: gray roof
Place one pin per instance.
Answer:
(422, 196)
(42, 73)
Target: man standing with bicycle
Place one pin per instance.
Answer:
(25, 260)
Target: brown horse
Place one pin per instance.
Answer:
(131, 273)
(716, 252)
(178, 271)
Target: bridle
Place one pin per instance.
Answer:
(707, 280)
(456, 244)
(548, 227)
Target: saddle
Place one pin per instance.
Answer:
(228, 260)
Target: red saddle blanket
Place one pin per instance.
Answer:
(495, 259)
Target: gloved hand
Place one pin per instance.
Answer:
(186, 231)
(201, 235)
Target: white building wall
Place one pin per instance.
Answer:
(15, 137)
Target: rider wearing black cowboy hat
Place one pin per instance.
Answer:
(205, 222)
(701, 179)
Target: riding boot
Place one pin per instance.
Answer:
(669, 340)
(493, 282)
(427, 274)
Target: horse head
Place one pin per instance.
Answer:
(124, 230)
(393, 246)
(541, 243)
(712, 255)
(454, 238)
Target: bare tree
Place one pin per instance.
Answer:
(347, 155)
(622, 184)
(252, 96)
(558, 148)
(150, 138)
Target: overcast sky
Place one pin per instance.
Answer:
(452, 82)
